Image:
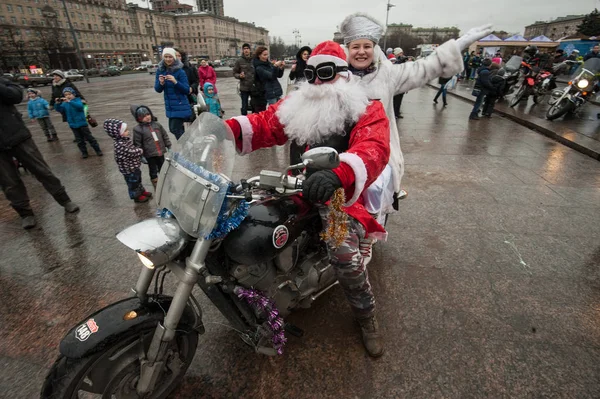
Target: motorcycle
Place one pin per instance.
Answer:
(581, 88)
(536, 82)
(512, 74)
(253, 247)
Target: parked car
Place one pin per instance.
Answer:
(125, 68)
(74, 77)
(92, 71)
(110, 71)
(32, 80)
(75, 71)
(9, 76)
(152, 69)
(141, 68)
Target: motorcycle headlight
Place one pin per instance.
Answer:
(583, 83)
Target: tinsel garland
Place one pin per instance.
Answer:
(265, 305)
(214, 178)
(228, 220)
(336, 231)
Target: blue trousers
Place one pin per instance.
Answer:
(176, 127)
(478, 103)
(245, 102)
(134, 183)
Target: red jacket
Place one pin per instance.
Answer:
(364, 160)
(207, 74)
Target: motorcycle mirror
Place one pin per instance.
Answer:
(321, 158)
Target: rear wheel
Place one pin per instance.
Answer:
(114, 372)
(560, 108)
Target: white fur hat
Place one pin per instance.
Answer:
(361, 26)
(169, 50)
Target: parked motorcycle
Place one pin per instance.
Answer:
(512, 74)
(536, 82)
(253, 247)
(582, 87)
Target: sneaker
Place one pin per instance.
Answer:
(99, 153)
(147, 194)
(71, 207)
(28, 222)
(84, 156)
(435, 101)
(49, 138)
(371, 335)
(473, 118)
(445, 104)
(141, 199)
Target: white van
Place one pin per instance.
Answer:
(152, 68)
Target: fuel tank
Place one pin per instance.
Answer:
(269, 228)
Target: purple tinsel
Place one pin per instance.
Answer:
(274, 322)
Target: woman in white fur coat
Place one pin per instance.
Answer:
(383, 81)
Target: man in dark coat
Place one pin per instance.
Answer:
(16, 141)
(484, 84)
(243, 70)
(595, 53)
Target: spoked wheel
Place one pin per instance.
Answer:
(518, 95)
(114, 372)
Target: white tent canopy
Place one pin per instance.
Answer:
(515, 38)
(541, 38)
(490, 38)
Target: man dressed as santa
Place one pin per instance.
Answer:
(332, 109)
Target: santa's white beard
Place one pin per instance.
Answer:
(314, 112)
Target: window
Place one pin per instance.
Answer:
(2, 20)
(39, 11)
(28, 32)
(30, 10)
(90, 26)
(33, 22)
(20, 9)
(43, 23)
(9, 8)
(24, 21)
(75, 24)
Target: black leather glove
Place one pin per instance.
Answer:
(320, 186)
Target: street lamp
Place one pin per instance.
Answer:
(76, 42)
(387, 15)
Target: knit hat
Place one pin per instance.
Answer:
(59, 73)
(114, 127)
(69, 90)
(34, 91)
(361, 26)
(398, 51)
(169, 50)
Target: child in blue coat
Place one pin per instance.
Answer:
(213, 103)
(73, 108)
(37, 108)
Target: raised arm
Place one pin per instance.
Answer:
(256, 131)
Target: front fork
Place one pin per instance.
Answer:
(152, 364)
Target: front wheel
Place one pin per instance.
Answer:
(560, 108)
(114, 372)
(518, 95)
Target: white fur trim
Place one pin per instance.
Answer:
(247, 133)
(315, 60)
(360, 174)
(123, 128)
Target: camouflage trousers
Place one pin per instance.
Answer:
(351, 270)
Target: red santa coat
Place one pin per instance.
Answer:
(364, 160)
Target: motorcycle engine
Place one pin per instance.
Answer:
(292, 276)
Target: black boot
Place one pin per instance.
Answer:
(371, 335)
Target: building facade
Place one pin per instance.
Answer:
(555, 29)
(111, 32)
(395, 29)
(211, 6)
(435, 35)
(170, 6)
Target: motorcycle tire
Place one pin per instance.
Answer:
(518, 96)
(559, 109)
(66, 377)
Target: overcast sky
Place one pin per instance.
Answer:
(317, 19)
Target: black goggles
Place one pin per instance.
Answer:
(325, 72)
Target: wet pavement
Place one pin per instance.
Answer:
(489, 286)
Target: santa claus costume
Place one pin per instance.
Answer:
(383, 80)
(331, 109)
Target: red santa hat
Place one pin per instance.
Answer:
(328, 51)
(390, 56)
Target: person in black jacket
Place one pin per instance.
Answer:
(16, 141)
(192, 76)
(497, 80)
(400, 59)
(443, 90)
(267, 74)
(297, 72)
(484, 84)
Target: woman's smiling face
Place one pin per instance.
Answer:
(361, 53)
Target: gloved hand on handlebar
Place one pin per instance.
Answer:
(320, 186)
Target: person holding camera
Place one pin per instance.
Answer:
(267, 74)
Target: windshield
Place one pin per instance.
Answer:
(592, 65)
(513, 64)
(195, 180)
